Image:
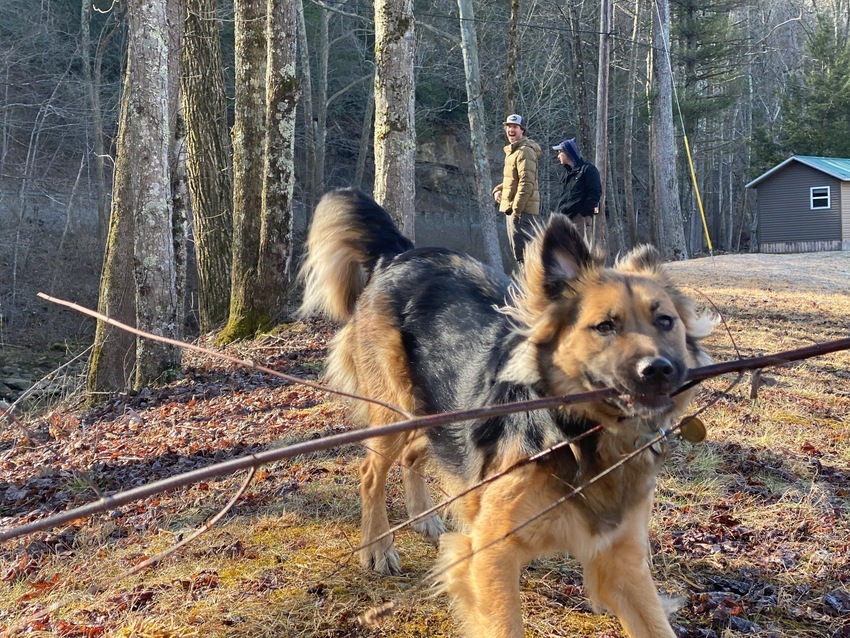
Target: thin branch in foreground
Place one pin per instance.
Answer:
(255, 460)
(306, 447)
(221, 355)
(356, 436)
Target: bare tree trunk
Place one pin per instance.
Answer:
(321, 120)
(511, 57)
(150, 104)
(208, 161)
(365, 136)
(666, 206)
(275, 261)
(176, 21)
(478, 135)
(93, 90)
(114, 351)
(180, 219)
(311, 188)
(585, 134)
(628, 135)
(248, 143)
(601, 159)
(395, 135)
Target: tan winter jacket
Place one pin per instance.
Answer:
(519, 180)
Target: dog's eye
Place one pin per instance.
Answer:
(665, 322)
(606, 327)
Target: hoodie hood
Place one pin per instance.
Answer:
(571, 149)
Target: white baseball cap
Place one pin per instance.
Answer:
(515, 119)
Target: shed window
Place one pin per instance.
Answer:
(820, 197)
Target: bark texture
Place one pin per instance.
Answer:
(151, 104)
(275, 261)
(669, 229)
(477, 133)
(208, 162)
(395, 135)
(245, 318)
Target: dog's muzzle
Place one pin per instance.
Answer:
(647, 391)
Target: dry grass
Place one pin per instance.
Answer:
(752, 526)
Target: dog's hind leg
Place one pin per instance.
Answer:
(378, 551)
(416, 495)
(619, 579)
(382, 373)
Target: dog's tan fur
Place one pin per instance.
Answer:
(606, 526)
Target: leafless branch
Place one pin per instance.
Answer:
(221, 355)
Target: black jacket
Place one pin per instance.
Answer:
(581, 189)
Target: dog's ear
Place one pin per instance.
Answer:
(555, 258)
(563, 253)
(642, 259)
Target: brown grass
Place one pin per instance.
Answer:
(751, 529)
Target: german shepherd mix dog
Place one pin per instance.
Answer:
(432, 330)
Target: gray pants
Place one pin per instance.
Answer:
(519, 233)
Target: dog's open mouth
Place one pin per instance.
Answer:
(641, 404)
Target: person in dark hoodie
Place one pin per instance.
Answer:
(581, 186)
(518, 195)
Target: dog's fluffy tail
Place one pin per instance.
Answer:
(350, 232)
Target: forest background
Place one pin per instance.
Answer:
(753, 82)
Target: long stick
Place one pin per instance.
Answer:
(346, 438)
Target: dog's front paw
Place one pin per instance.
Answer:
(431, 529)
(384, 560)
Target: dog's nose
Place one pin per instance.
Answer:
(656, 369)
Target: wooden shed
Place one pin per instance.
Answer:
(804, 205)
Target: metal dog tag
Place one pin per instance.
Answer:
(692, 430)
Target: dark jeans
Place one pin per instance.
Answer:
(519, 233)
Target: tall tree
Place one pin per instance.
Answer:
(311, 189)
(154, 116)
(208, 161)
(395, 135)
(92, 79)
(510, 55)
(113, 355)
(478, 135)
(628, 133)
(141, 239)
(666, 209)
(245, 317)
(601, 145)
(275, 257)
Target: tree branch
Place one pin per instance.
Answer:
(356, 436)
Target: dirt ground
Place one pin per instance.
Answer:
(818, 272)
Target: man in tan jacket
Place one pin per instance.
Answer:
(518, 196)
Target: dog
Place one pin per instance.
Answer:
(431, 330)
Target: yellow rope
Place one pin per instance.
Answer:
(696, 191)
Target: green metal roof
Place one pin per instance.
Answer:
(836, 167)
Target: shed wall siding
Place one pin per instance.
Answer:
(785, 214)
(845, 212)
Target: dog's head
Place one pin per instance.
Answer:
(590, 327)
